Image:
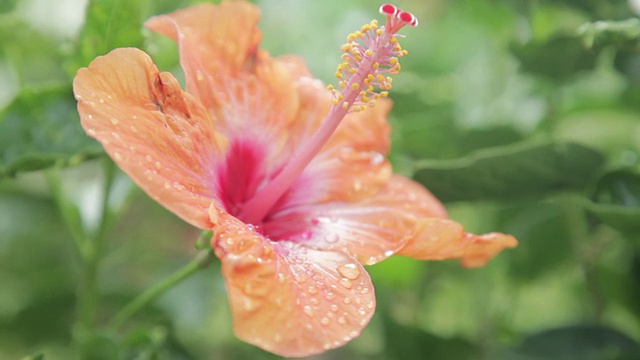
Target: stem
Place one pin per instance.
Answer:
(202, 260)
(88, 294)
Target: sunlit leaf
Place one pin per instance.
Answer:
(522, 170)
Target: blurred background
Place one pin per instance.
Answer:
(523, 116)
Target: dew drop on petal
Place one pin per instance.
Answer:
(324, 321)
(249, 304)
(347, 300)
(312, 290)
(388, 253)
(309, 311)
(332, 238)
(346, 283)
(91, 132)
(362, 311)
(117, 156)
(377, 159)
(349, 271)
(158, 165)
(334, 307)
(329, 296)
(342, 320)
(114, 121)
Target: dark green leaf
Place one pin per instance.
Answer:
(509, 172)
(41, 129)
(558, 59)
(582, 342)
(413, 343)
(617, 200)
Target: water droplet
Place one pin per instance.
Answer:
(249, 304)
(115, 135)
(101, 101)
(347, 300)
(306, 235)
(388, 253)
(342, 320)
(370, 305)
(278, 301)
(377, 159)
(334, 307)
(114, 121)
(312, 290)
(324, 321)
(329, 296)
(117, 156)
(133, 129)
(346, 283)
(349, 271)
(332, 238)
(309, 311)
(199, 75)
(167, 185)
(91, 132)
(281, 278)
(158, 165)
(357, 185)
(90, 117)
(277, 337)
(314, 301)
(362, 311)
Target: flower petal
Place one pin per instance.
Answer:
(371, 229)
(215, 42)
(437, 238)
(352, 165)
(441, 239)
(289, 299)
(159, 135)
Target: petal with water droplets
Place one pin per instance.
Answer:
(159, 135)
(371, 229)
(289, 299)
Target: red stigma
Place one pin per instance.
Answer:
(388, 9)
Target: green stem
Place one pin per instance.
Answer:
(88, 294)
(202, 260)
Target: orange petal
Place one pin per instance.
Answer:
(215, 42)
(437, 238)
(371, 229)
(159, 135)
(441, 239)
(289, 299)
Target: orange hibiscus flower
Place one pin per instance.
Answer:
(290, 176)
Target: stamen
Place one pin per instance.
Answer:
(369, 57)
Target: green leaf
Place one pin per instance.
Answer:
(582, 342)
(558, 59)
(617, 200)
(37, 356)
(406, 342)
(520, 170)
(41, 129)
(110, 24)
(623, 34)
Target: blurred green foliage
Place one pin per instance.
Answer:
(523, 115)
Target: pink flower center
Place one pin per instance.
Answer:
(369, 57)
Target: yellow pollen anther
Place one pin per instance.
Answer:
(393, 40)
(384, 94)
(368, 52)
(355, 86)
(379, 32)
(352, 71)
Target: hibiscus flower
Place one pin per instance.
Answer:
(291, 177)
